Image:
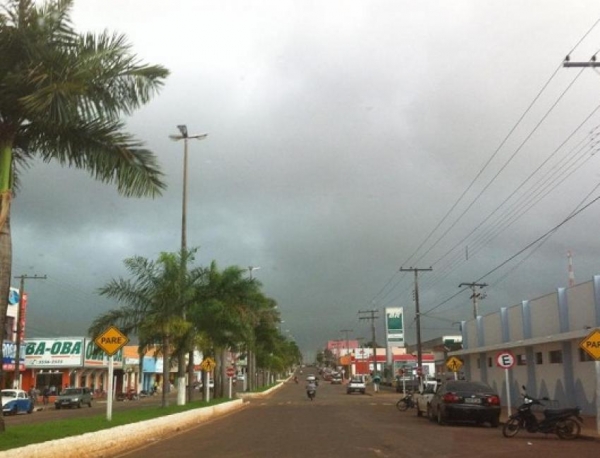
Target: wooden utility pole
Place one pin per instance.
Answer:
(20, 323)
(475, 296)
(417, 318)
(371, 315)
(346, 331)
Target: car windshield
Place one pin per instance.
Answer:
(9, 394)
(356, 380)
(73, 391)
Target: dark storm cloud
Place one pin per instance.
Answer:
(339, 136)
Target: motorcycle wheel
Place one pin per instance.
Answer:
(402, 405)
(568, 429)
(511, 427)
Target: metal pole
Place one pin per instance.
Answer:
(20, 323)
(417, 320)
(109, 393)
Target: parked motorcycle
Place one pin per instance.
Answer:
(565, 423)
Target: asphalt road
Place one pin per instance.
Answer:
(287, 424)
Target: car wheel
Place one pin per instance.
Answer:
(79, 405)
(440, 418)
(30, 408)
(419, 413)
(14, 411)
(90, 404)
(495, 422)
(57, 407)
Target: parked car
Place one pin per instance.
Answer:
(16, 401)
(463, 400)
(74, 397)
(356, 384)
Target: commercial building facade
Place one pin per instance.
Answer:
(545, 336)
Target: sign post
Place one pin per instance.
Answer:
(506, 360)
(454, 364)
(207, 365)
(230, 372)
(110, 342)
(591, 345)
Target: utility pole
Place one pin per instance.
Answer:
(591, 63)
(371, 315)
(20, 323)
(475, 295)
(417, 318)
(346, 331)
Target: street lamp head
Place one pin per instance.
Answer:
(183, 129)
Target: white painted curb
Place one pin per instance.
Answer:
(109, 442)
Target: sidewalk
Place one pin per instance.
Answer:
(588, 429)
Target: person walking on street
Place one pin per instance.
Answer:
(376, 382)
(45, 395)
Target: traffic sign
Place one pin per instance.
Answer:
(505, 360)
(230, 371)
(454, 364)
(208, 364)
(591, 344)
(111, 341)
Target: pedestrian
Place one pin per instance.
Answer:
(45, 395)
(33, 395)
(376, 382)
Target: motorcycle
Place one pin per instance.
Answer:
(407, 402)
(565, 423)
(311, 393)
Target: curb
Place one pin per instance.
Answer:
(111, 441)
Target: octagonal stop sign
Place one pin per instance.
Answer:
(230, 371)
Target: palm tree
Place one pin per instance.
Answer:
(153, 300)
(61, 97)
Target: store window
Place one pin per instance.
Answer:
(555, 357)
(521, 360)
(490, 362)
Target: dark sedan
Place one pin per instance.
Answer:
(461, 400)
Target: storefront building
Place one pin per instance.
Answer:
(57, 363)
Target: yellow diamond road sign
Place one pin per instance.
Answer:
(454, 364)
(208, 364)
(111, 341)
(591, 344)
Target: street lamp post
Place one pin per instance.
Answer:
(181, 392)
(250, 356)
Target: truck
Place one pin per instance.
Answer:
(423, 396)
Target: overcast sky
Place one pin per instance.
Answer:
(342, 135)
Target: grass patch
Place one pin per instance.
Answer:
(22, 435)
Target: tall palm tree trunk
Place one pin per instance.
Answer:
(166, 369)
(5, 276)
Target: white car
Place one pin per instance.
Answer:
(356, 384)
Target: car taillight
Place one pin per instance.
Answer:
(450, 397)
(493, 400)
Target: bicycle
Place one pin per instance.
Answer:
(406, 402)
